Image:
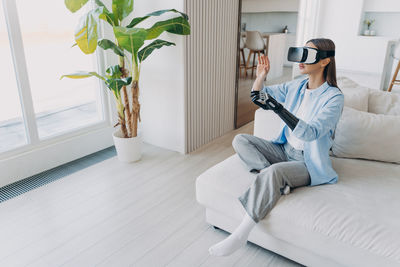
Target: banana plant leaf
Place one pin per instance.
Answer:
(114, 72)
(99, 3)
(146, 51)
(86, 34)
(83, 74)
(131, 39)
(75, 5)
(122, 8)
(137, 20)
(86, 31)
(115, 84)
(178, 25)
(105, 15)
(107, 44)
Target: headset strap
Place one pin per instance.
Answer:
(325, 54)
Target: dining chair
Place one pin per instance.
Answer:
(242, 64)
(256, 45)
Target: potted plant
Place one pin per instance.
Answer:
(369, 22)
(130, 46)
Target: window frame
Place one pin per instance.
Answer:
(37, 154)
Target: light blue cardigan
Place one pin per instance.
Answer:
(323, 114)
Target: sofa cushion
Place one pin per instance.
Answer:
(358, 214)
(382, 102)
(345, 82)
(355, 96)
(367, 135)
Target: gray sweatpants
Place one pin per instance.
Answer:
(279, 165)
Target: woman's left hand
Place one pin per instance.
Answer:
(262, 67)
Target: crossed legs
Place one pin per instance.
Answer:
(277, 172)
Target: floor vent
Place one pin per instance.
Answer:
(15, 189)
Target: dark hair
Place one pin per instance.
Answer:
(330, 69)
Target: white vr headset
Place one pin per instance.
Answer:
(308, 55)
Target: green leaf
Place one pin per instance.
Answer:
(75, 5)
(86, 32)
(137, 20)
(99, 3)
(178, 25)
(117, 83)
(114, 72)
(146, 51)
(83, 74)
(122, 8)
(160, 12)
(75, 44)
(109, 17)
(107, 44)
(131, 39)
(103, 13)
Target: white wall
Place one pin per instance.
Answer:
(340, 21)
(381, 5)
(161, 83)
(269, 5)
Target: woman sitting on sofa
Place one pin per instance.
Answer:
(299, 156)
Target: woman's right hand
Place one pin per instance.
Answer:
(262, 66)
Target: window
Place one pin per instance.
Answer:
(12, 129)
(60, 105)
(45, 121)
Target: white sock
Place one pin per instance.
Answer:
(236, 240)
(286, 190)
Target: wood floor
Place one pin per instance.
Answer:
(116, 214)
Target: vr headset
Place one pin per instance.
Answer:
(308, 55)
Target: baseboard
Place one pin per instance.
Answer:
(22, 165)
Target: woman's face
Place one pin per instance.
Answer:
(313, 68)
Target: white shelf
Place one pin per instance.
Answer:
(270, 21)
(385, 25)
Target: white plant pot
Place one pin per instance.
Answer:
(128, 149)
(366, 32)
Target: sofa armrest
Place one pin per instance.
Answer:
(266, 124)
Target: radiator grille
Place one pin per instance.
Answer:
(15, 189)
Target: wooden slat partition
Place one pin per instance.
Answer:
(210, 71)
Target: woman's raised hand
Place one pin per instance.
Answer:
(262, 66)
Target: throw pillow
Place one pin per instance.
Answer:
(383, 102)
(367, 136)
(355, 96)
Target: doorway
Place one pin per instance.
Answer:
(274, 24)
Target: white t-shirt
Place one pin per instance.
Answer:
(291, 138)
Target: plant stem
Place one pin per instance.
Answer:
(121, 115)
(135, 97)
(135, 106)
(126, 97)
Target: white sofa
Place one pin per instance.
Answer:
(355, 222)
